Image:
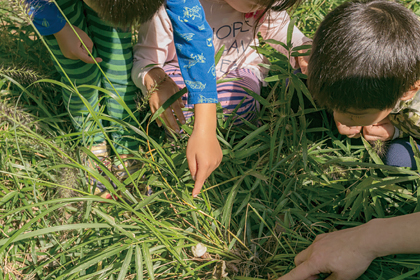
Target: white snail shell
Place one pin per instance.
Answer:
(198, 250)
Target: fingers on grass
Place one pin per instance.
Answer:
(199, 181)
(170, 120)
(181, 103)
(86, 58)
(303, 271)
(302, 256)
(179, 114)
(192, 165)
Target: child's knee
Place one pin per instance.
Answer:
(400, 154)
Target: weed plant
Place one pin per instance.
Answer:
(281, 182)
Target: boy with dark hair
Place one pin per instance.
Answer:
(93, 21)
(365, 68)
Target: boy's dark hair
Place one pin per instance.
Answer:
(365, 55)
(124, 13)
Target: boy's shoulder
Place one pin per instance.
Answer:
(412, 104)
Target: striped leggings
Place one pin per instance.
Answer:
(115, 48)
(230, 94)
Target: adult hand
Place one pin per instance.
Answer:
(203, 150)
(349, 131)
(163, 88)
(383, 130)
(343, 254)
(71, 46)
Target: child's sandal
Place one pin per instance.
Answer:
(102, 152)
(132, 167)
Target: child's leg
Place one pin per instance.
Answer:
(400, 154)
(79, 73)
(230, 94)
(115, 48)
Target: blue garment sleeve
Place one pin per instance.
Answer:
(193, 39)
(46, 16)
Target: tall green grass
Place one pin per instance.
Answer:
(280, 184)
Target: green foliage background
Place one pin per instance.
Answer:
(280, 184)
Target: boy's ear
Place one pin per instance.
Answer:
(412, 91)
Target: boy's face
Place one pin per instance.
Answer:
(355, 117)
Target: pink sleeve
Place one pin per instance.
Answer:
(155, 47)
(275, 27)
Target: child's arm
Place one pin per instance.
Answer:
(49, 21)
(196, 60)
(46, 16)
(203, 151)
(346, 254)
(70, 44)
(407, 121)
(161, 88)
(153, 50)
